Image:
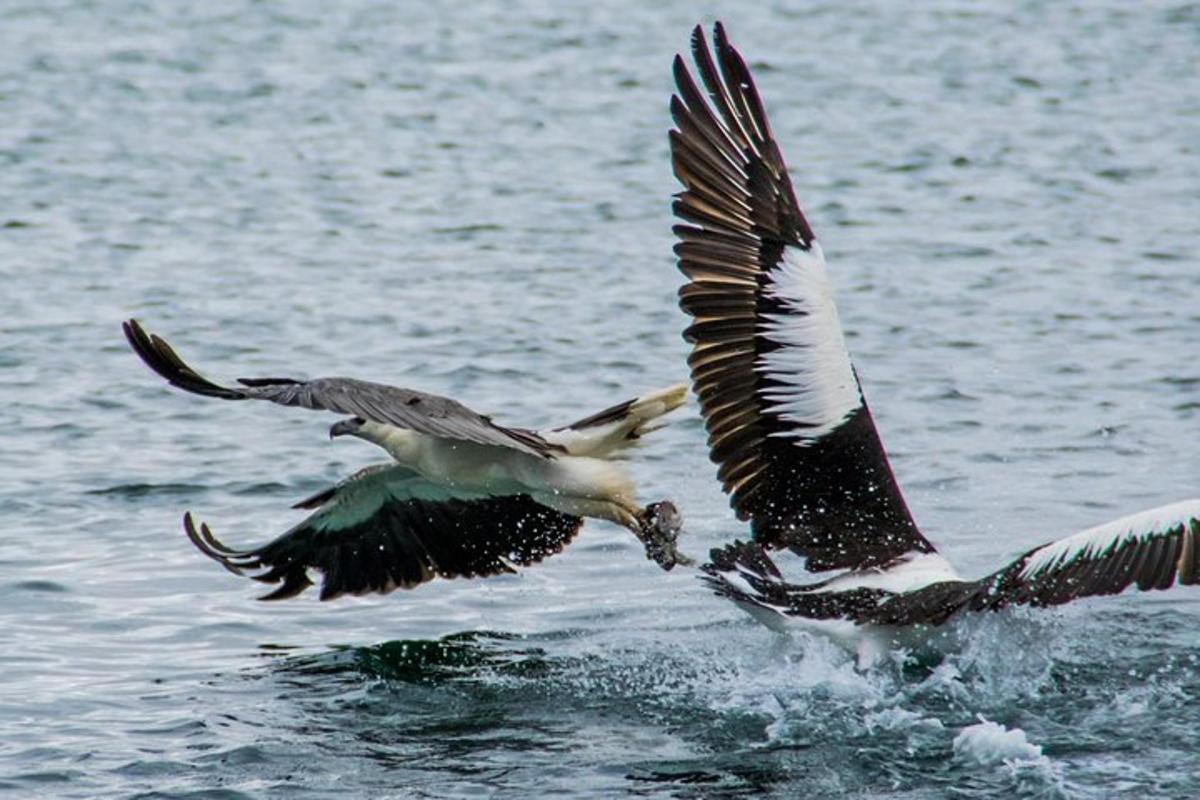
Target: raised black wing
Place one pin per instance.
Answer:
(787, 423)
(386, 528)
(391, 405)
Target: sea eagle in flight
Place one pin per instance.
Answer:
(462, 496)
(797, 448)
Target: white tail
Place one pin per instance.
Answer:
(616, 428)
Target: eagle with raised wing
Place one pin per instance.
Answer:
(797, 449)
(462, 497)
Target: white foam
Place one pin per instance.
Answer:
(899, 719)
(990, 743)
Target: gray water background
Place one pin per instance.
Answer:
(473, 199)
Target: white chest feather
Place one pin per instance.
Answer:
(501, 470)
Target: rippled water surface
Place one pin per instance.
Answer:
(475, 201)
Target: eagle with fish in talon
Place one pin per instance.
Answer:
(789, 427)
(461, 497)
(661, 526)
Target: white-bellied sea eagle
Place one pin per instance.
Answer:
(462, 496)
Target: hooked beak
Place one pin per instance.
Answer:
(346, 427)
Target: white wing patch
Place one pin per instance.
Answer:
(1098, 541)
(909, 575)
(817, 388)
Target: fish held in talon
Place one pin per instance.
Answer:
(461, 496)
(662, 525)
(789, 426)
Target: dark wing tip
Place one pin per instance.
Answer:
(160, 357)
(294, 576)
(1189, 573)
(719, 34)
(750, 556)
(294, 583)
(255, 383)
(236, 561)
(131, 328)
(139, 341)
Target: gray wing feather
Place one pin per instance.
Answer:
(405, 408)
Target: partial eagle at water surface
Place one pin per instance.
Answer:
(463, 496)
(788, 425)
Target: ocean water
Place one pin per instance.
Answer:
(473, 199)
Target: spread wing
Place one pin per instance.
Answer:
(787, 422)
(404, 408)
(386, 528)
(1153, 550)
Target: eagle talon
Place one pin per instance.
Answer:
(661, 525)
